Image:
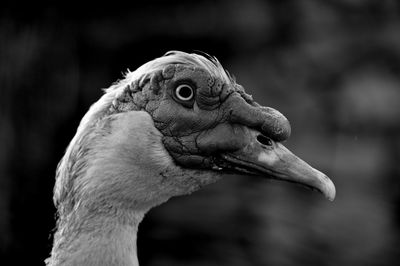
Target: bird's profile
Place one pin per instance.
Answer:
(174, 125)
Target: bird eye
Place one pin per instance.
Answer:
(184, 92)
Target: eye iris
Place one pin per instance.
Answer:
(184, 92)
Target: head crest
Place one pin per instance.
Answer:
(202, 60)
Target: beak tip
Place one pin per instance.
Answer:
(329, 189)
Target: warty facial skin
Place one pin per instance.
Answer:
(174, 125)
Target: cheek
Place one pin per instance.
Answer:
(172, 119)
(223, 138)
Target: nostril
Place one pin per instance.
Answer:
(264, 140)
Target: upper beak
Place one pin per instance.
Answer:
(262, 156)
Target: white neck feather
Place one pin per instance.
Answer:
(120, 182)
(97, 241)
(124, 171)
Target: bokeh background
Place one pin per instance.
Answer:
(332, 67)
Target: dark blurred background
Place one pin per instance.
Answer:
(332, 67)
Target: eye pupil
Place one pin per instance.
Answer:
(184, 92)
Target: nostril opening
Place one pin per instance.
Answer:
(264, 140)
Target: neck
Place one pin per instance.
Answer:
(87, 238)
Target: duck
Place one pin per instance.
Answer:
(169, 128)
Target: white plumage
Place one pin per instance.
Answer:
(140, 144)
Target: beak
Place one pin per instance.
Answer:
(264, 157)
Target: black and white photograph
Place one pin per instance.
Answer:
(200, 133)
